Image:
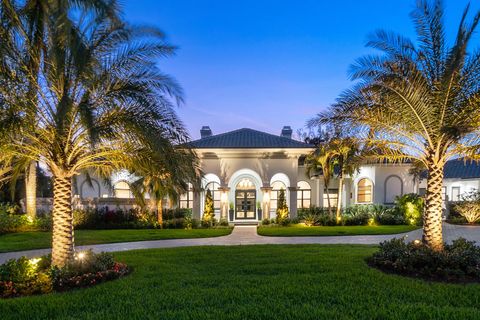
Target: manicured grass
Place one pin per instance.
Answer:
(254, 282)
(302, 230)
(39, 240)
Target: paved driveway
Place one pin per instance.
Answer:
(247, 235)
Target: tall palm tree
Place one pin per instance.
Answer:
(346, 158)
(25, 24)
(103, 106)
(419, 101)
(321, 159)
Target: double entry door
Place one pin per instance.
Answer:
(245, 201)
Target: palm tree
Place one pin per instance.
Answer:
(345, 156)
(168, 175)
(103, 106)
(25, 24)
(418, 101)
(321, 159)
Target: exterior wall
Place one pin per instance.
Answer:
(380, 176)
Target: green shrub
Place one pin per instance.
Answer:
(411, 206)
(208, 219)
(459, 261)
(315, 216)
(266, 222)
(389, 216)
(359, 219)
(282, 208)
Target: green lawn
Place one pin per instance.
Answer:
(302, 230)
(254, 282)
(39, 240)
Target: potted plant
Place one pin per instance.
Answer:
(259, 210)
(231, 211)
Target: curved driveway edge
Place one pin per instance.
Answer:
(247, 235)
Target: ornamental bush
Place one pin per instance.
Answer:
(411, 206)
(208, 219)
(282, 208)
(459, 261)
(469, 207)
(23, 277)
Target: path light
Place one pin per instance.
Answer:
(34, 262)
(81, 255)
(417, 242)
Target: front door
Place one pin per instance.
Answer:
(245, 204)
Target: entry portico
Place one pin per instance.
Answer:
(245, 170)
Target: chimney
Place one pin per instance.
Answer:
(205, 132)
(286, 132)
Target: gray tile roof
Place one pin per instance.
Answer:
(461, 169)
(248, 139)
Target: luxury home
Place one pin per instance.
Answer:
(246, 169)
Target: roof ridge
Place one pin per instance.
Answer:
(254, 130)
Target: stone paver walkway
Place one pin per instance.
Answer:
(247, 235)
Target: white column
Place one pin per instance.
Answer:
(293, 202)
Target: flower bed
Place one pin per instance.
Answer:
(24, 277)
(458, 262)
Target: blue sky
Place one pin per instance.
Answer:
(264, 64)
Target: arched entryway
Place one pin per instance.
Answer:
(245, 192)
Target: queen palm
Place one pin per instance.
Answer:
(26, 23)
(418, 101)
(346, 159)
(321, 159)
(102, 106)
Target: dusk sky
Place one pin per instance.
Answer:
(265, 64)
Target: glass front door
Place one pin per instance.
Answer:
(245, 204)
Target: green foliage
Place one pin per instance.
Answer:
(459, 261)
(208, 218)
(282, 209)
(411, 205)
(316, 216)
(23, 277)
(13, 221)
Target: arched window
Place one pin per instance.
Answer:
(122, 190)
(304, 193)
(186, 199)
(276, 187)
(393, 188)
(216, 194)
(364, 191)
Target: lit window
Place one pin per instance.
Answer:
(303, 194)
(332, 198)
(364, 191)
(122, 190)
(186, 199)
(276, 187)
(216, 194)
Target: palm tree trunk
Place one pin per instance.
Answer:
(160, 213)
(328, 200)
(339, 203)
(62, 239)
(432, 219)
(31, 189)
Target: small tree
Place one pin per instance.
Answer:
(282, 209)
(208, 212)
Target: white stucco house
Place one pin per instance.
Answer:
(245, 169)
